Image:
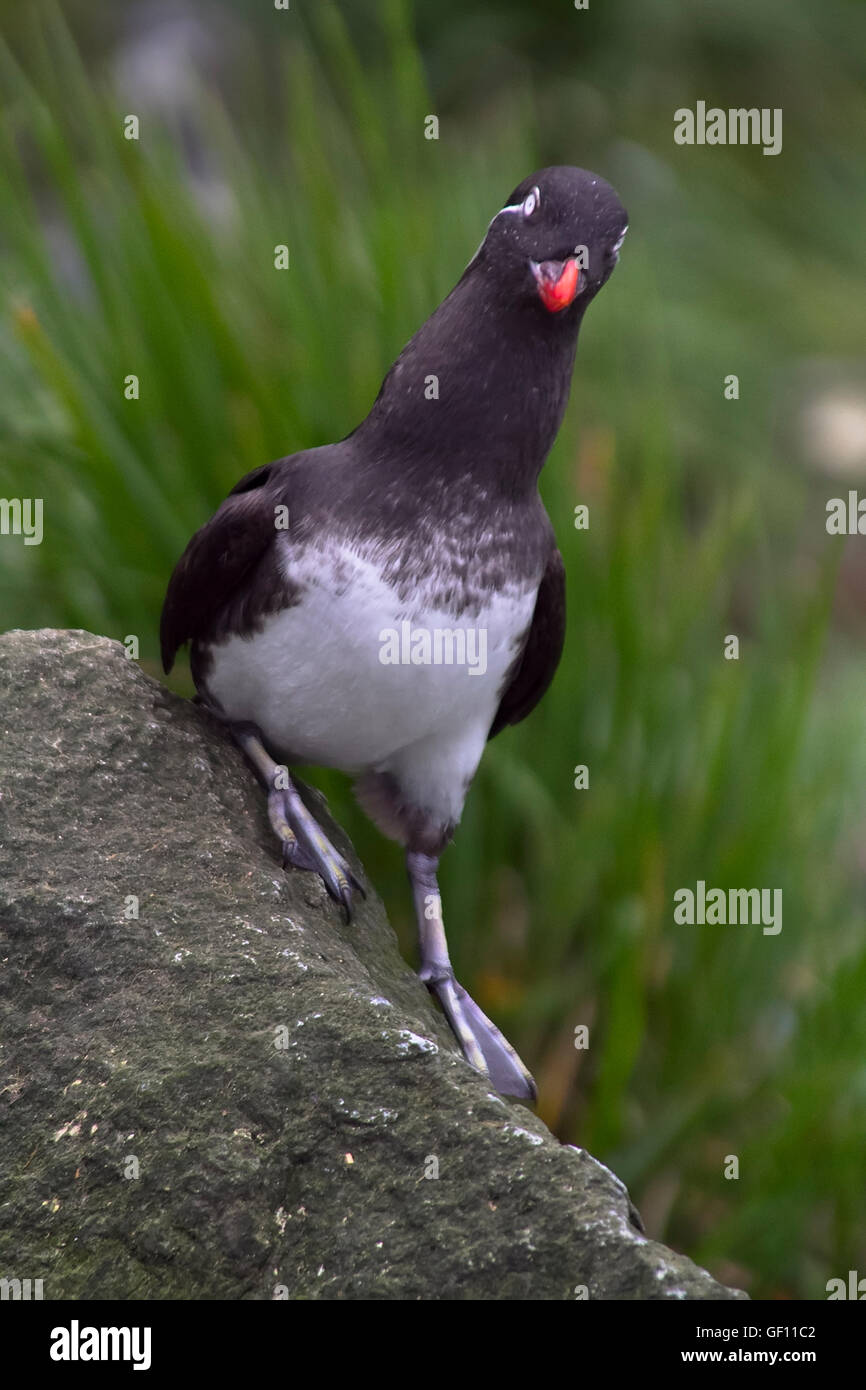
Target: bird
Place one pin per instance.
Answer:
(387, 604)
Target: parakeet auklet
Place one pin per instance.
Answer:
(387, 604)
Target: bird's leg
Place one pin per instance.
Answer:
(305, 846)
(482, 1043)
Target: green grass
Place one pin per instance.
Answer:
(704, 1042)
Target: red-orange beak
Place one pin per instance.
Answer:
(557, 282)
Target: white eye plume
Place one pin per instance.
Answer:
(531, 202)
(526, 208)
(618, 243)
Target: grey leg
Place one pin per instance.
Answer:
(305, 846)
(483, 1045)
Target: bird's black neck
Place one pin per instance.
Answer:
(478, 394)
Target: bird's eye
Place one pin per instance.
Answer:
(530, 203)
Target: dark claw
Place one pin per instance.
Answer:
(348, 905)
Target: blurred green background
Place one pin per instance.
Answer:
(306, 127)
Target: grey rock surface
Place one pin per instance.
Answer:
(233, 1094)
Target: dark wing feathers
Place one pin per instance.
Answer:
(232, 549)
(534, 669)
(228, 578)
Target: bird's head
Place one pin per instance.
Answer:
(556, 240)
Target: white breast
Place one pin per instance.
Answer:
(326, 683)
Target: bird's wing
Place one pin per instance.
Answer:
(534, 668)
(232, 555)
